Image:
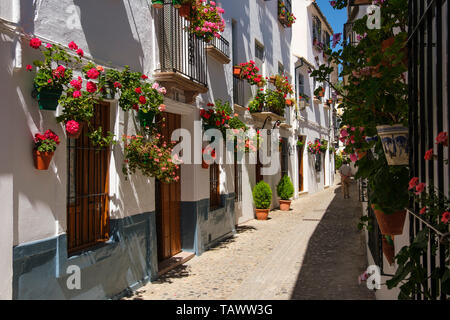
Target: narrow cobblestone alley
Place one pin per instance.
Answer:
(315, 251)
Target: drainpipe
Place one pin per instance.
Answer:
(17, 42)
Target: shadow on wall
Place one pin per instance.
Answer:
(336, 255)
(134, 190)
(113, 34)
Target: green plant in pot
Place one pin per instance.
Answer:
(108, 83)
(388, 190)
(53, 74)
(262, 197)
(285, 190)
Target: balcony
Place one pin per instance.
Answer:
(182, 55)
(219, 49)
(283, 12)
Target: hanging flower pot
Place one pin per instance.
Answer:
(390, 224)
(389, 250)
(42, 159)
(74, 129)
(158, 4)
(395, 144)
(185, 10)
(260, 84)
(289, 102)
(146, 118)
(237, 71)
(176, 3)
(272, 79)
(107, 93)
(47, 98)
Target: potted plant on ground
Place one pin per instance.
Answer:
(262, 197)
(44, 148)
(285, 190)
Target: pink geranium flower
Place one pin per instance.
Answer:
(73, 46)
(72, 127)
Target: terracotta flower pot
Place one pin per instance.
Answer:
(76, 135)
(260, 84)
(390, 224)
(272, 79)
(158, 4)
(289, 102)
(285, 205)
(389, 250)
(42, 159)
(262, 214)
(361, 154)
(237, 72)
(185, 10)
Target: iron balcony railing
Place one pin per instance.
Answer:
(287, 7)
(179, 50)
(222, 45)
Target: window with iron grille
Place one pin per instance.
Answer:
(88, 188)
(317, 28)
(214, 186)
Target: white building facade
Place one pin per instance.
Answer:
(41, 241)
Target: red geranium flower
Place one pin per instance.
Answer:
(445, 217)
(91, 87)
(142, 100)
(73, 46)
(72, 127)
(93, 73)
(442, 138)
(429, 155)
(80, 52)
(35, 43)
(138, 90)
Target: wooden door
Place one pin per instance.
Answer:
(300, 167)
(168, 197)
(88, 187)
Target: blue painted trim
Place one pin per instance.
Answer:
(124, 263)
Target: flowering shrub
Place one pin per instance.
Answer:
(275, 101)
(46, 142)
(77, 105)
(250, 73)
(152, 156)
(206, 20)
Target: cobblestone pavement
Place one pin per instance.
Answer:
(314, 251)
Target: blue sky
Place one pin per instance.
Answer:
(336, 18)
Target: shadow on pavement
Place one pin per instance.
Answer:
(336, 254)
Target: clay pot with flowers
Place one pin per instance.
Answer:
(285, 190)
(44, 149)
(206, 20)
(50, 81)
(250, 72)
